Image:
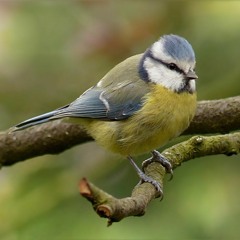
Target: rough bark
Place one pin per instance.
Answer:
(216, 116)
(115, 209)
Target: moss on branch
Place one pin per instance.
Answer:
(115, 209)
(216, 116)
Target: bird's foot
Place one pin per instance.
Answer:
(156, 184)
(144, 178)
(157, 157)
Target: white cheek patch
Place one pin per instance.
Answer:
(160, 74)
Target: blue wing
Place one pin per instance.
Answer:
(109, 104)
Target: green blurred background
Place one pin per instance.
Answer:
(50, 52)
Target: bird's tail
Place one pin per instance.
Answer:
(35, 121)
(39, 119)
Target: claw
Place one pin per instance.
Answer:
(157, 157)
(144, 178)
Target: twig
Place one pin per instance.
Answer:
(115, 209)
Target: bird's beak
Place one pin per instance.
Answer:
(191, 75)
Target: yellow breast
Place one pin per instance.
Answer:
(164, 115)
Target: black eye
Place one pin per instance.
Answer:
(172, 66)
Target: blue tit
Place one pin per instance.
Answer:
(140, 104)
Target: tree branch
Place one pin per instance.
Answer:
(115, 209)
(216, 116)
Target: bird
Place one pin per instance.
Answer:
(139, 105)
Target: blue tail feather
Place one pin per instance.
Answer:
(38, 119)
(35, 120)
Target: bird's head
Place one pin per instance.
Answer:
(170, 62)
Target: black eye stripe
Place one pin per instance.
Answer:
(171, 66)
(174, 67)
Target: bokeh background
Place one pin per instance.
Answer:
(50, 52)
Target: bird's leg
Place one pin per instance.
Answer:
(157, 157)
(144, 178)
